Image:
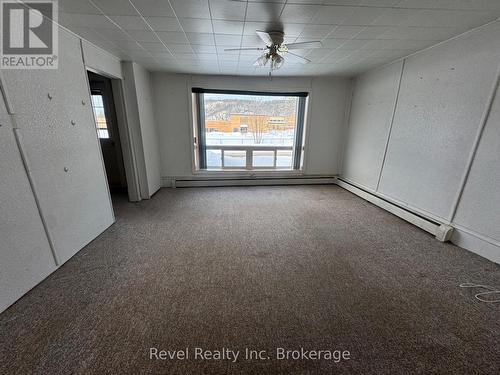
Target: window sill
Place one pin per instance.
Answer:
(248, 173)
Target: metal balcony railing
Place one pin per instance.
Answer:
(249, 157)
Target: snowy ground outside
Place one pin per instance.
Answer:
(236, 158)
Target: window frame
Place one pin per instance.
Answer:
(199, 149)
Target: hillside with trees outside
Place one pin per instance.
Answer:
(217, 108)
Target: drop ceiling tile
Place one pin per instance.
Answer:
(333, 15)
(143, 35)
(201, 38)
(228, 10)
(130, 22)
(353, 44)
(173, 37)
(185, 56)
(163, 56)
(251, 41)
(413, 45)
(449, 18)
(206, 57)
(293, 29)
(264, 12)
(164, 23)
(196, 25)
(153, 47)
(128, 45)
(203, 48)
(317, 54)
(290, 29)
(85, 20)
(228, 64)
(417, 4)
(419, 33)
(378, 44)
(157, 8)
(228, 27)
(372, 32)
(394, 17)
(345, 32)
(337, 55)
(77, 6)
(316, 31)
(468, 4)
(395, 54)
(227, 40)
(333, 43)
(364, 16)
(342, 2)
(116, 7)
(356, 34)
(191, 8)
(87, 33)
(113, 34)
(379, 3)
(299, 13)
(180, 48)
(248, 60)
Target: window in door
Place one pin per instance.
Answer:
(239, 130)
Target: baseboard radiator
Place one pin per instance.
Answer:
(247, 181)
(441, 231)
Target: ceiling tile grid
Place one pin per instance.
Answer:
(191, 36)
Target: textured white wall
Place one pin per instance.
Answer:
(140, 116)
(372, 108)
(171, 95)
(148, 128)
(25, 254)
(442, 99)
(443, 95)
(75, 203)
(478, 212)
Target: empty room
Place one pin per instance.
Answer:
(249, 187)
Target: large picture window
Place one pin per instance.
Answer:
(243, 130)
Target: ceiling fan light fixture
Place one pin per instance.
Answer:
(262, 61)
(277, 62)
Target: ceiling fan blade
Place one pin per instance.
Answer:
(245, 49)
(266, 38)
(304, 45)
(294, 57)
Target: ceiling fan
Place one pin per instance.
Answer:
(276, 50)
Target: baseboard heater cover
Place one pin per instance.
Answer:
(441, 231)
(248, 181)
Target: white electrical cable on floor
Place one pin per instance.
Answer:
(478, 296)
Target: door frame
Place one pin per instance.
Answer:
(124, 133)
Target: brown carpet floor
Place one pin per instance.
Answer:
(259, 268)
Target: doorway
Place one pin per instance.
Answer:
(103, 104)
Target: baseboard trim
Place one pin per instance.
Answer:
(174, 182)
(476, 243)
(441, 231)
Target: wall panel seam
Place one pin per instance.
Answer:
(391, 125)
(475, 146)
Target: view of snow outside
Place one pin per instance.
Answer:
(100, 116)
(254, 122)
